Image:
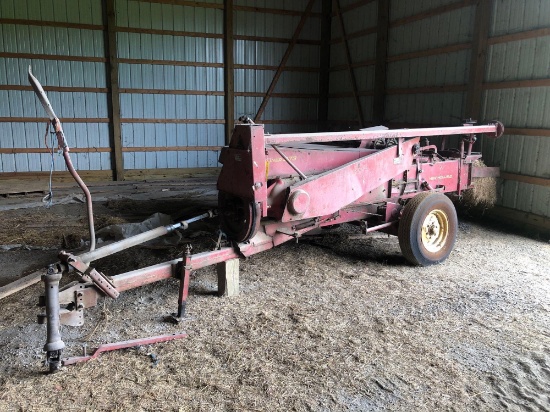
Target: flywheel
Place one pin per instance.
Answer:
(239, 217)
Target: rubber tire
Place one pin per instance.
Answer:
(410, 228)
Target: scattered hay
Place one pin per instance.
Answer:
(483, 194)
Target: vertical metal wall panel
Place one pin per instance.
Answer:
(523, 107)
(519, 60)
(510, 16)
(21, 38)
(268, 53)
(400, 9)
(165, 78)
(362, 49)
(438, 70)
(448, 28)
(452, 27)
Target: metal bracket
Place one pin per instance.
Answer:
(99, 279)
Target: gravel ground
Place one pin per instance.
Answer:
(330, 324)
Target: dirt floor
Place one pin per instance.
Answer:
(329, 324)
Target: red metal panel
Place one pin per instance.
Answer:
(337, 188)
(310, 159)
(442, 174)
(243, 172)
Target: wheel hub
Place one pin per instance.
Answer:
(435, 231)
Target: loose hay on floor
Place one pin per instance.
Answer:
(327, 325)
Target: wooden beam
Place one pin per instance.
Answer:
(44, 23)
(170, 63)
(324, 63)
(280, 95)
(431, 13)
(61, 176)
(526, 132)
(516, 84)
(533, 180)
(187, 3)
(173, 121)
(430, 52)
(350, 94)
(164, 32)
(216, 65)
(172, 149)
(451, 88)
(171, 173)
(289, 49)
(364, 63)
(379, 100)
(478, 57)
(45, 119)
(114, 96)
(228, 278)
(361, 33)
(268, 10)
(21, 283)
(173, 92)
(60, 57)
(522, 35)
(62, 89)
(18, 150)
(228, 70)
(349, 62)
(353, 6)
(276, 39)
(274, 68)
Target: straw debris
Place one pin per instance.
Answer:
(483, 194)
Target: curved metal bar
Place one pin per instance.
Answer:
(62, 143)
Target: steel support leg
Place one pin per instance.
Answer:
(54, 345)
(184, 287)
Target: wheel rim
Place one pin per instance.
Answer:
(435, 231)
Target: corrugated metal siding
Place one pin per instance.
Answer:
(167, 97)
(446, 69)
(167, 78)
(21, 38)
(268, 53)
(362, 49)
(526, 107)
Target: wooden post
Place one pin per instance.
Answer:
(229, 70)
(324, 64)
(379, 101)
(114, 95)
(478, 58)
(348, 62)
(282, 65)
(228, 277)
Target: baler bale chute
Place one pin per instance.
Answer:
(278, 188)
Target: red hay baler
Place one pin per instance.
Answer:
(276, 188)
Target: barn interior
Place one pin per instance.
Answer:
(149, 92)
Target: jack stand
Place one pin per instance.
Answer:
(184, 285)
(54, 345)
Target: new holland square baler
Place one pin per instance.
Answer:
(277, 188)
